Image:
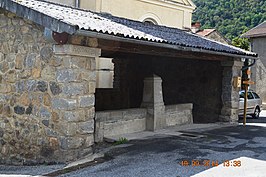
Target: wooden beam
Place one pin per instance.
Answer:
(112, 49)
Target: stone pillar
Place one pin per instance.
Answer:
(73, 98)
(230, 95)
(153, 101)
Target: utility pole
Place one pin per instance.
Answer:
(246, 83)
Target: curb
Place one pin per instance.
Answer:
(79, 164)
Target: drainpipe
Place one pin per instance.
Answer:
(246, 67)
(77, 3)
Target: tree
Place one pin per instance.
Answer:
(242, 43)
(230, 17)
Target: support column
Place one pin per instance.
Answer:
(230, 95)
(73, 99)
(153, 101)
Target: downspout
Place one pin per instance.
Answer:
(246, 67)
(77, 3)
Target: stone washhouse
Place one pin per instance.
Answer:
(50, 108)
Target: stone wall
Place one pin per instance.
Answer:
(46, 96)
(179, 114)
(111, 123)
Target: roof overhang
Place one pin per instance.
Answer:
(254, 35)
(257, 31)
(155, 44)
(125, 30)
(37, 17)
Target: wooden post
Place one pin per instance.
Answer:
(245, 105)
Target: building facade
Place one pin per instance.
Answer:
(148, 11)
(152, 11)
(257, 37)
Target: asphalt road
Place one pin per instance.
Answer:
(182, 156)
(174, 156)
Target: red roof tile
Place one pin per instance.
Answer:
(205, 32)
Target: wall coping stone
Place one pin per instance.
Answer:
(114, 115)
(178, 107)
(76, 50)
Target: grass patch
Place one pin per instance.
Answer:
(121, 140)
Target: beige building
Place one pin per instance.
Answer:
(172, 13)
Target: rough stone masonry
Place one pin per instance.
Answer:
(46, 96)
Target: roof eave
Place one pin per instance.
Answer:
(254, 35)
(156, 44)
(37, 17)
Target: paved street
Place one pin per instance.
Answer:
(179, 155)
(182, 155)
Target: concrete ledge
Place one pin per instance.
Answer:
(122, 127)
(179, 114)
(124, 114)
(117, 122)
(126, 121)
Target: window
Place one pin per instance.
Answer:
(242, 95)
(150, 21)
(250, 96)
(256, 96)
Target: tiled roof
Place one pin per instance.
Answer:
(205, 32)
(257, 31)
(61, 18)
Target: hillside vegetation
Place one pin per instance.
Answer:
(230, 17)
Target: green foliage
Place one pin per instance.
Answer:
(242, 43)
(230, 17)
(121, 140)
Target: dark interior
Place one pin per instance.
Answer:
(184, 81)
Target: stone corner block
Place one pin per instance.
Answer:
(86, 127)
(86, 101)
(74, 116)
(64, 104)
(67, 143)
(69, 129)
(67, 75)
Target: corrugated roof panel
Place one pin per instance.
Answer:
(108, 24)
